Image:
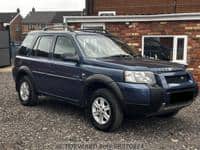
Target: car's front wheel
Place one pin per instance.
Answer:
(104, 110)
(26, 92)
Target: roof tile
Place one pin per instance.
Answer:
(47, 17)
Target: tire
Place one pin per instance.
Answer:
(111, 108)
(168, 115)
(29, 97)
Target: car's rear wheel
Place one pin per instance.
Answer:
(26, 92)
(104, 111)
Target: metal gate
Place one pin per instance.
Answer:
(5, 56)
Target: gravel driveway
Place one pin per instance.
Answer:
(51, 125)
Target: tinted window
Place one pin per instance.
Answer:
(160, 48)
(64, 46)
(43, 46)
(26, 45)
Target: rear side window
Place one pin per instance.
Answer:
(43, 46)
(26, 45)
(28, 41)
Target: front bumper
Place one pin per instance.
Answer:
(146, 100)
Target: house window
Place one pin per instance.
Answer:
(17, 28)
(107, 13)
(93, 26)
(168, 48)
(43, 26)
(31, 27)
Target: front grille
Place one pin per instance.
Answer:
(177, 79)
(182, 97)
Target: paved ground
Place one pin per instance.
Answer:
(53, 124)
(5, 69)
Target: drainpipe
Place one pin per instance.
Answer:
(175, 6)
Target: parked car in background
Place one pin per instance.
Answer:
(92, 71)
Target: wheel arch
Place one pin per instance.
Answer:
(98, 81)
(23, 71)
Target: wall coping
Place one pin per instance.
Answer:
(133, 18)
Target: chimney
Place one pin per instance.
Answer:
(18, 10)
(33, 10)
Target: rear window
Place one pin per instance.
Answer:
(28, 41)
(26, 45)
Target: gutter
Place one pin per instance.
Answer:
(133, 18)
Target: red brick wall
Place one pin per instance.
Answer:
(188, 6)
(15, 34)
(130, 7)
(132, 34)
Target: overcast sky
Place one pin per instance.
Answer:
(44, 5)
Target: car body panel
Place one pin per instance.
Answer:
(68, 80)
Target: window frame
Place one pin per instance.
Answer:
(107, 12)
(55, 42)
(36, 44)
(175, 42)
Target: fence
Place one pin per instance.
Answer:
(5, 57)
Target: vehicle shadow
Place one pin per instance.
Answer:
(61, 107)
(138, 125)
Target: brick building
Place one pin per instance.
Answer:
(37, 20)
(13, 21)
(159, 34)
(132, 7)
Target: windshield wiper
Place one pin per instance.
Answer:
(121, 56)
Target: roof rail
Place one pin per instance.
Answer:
(95, 31)
(98, 31)
(63, 27)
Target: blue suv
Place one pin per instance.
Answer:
(95, 72)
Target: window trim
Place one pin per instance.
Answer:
(175, 37)
(107, 12)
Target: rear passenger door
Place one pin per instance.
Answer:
(67, 80)
(40, 62)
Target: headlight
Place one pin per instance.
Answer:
(140, 77)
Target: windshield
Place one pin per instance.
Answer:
(99, 46)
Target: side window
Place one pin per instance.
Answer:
(64, 46)
(26, 45)
(43, 46)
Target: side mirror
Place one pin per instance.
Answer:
(70, 57)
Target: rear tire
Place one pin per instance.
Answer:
(104, 111)
(26, 92)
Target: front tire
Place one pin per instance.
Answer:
(26, 92)
(104, 111)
